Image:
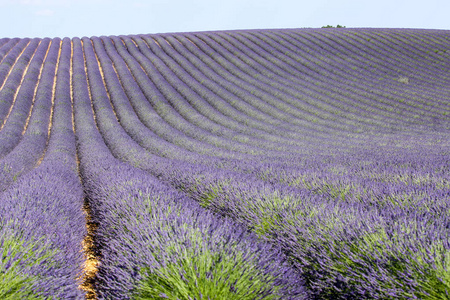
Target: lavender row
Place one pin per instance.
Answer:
(13, 128)
(264, 80)
(7, 56)
(3, 42)
(365, 74)
(277, 213)
(251, 144)
(392, 102)
(43, 225)
(210, 91)
(12, 80)
(157, 115)
(127, 93)
(344, 47)
(125, 114)
(218, 84)
(186, 114)
(332, 232)
(6, 47)
(286, 67)
(302, 133)
(322, 87)
(194, 93)
(163, 236)
(388, 41)
(215, 95)
(41, 232)
(341, 69)
(127, 117)
(393, 92)
(31, 147)
(281, 217)
(254, 92)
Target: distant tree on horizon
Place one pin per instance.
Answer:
(331, 26)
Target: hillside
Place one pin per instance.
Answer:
(251, 164)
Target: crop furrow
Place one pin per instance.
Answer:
(17, 119)
(125, 245)
(14, 77)
(220, 103)
(31, 147)
(7, 47)
(42, 219)
(248, 164)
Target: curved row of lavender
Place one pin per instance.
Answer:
(155, 242)
(255, 164)
(42, 224)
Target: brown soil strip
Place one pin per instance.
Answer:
(91, 253)
(191, 43)
(90, 267)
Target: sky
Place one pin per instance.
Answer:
(78, 18)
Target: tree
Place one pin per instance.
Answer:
(331, 26)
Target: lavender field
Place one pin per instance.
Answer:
(253, 164)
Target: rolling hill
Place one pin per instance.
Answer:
(249, 164)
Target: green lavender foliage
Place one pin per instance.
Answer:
(209, 275)
(18, 255)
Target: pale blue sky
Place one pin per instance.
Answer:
(70, 18)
